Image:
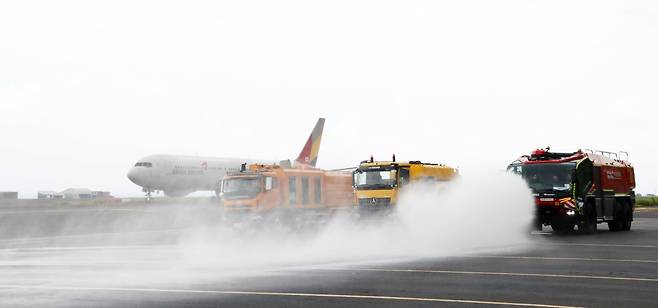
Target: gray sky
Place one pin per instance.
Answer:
(88, 87)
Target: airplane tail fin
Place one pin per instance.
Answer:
(309, 154)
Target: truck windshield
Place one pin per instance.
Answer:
(546, 177)
(375, 179)
(241, 188)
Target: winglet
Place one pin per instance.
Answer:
(309, 154)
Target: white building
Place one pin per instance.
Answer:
(8, 195)
(82, 193)
(47, 194)
(77, 193)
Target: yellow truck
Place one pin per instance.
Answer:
(263, 189)
(377, 184)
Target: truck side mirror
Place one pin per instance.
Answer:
(220, 189)
(268, 183)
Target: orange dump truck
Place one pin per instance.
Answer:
(262, 189)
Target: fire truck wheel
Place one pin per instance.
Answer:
(535, 225)
(588, 226)
(562, 227)
(629, 217)
(617, 224)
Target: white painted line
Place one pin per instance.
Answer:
(88, 234)
(69, 248)
(78, 262)
(604, 245)
(563, 259)
(61, 211)
(493, 274)
(292, 294)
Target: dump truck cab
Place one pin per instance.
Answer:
(262, 189)
(250, 191)
(377, 184)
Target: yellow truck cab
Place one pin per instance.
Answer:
(378, 183)
(262, 189)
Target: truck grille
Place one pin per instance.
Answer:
(374, 202)
(238, 207)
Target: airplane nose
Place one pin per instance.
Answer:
(133, 176)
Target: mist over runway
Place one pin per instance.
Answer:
(464, 123)
(110, 255)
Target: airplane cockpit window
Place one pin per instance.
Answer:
(144, 164)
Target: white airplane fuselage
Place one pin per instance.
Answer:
(178, 175)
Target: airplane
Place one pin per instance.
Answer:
(180, 175)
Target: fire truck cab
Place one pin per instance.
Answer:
(580, 188)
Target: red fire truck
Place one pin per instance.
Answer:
(581, 188)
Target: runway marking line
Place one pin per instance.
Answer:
(562, 259)
(492, 274)
(74, 248)
(88, 234)
(291, 294)
(603, 245)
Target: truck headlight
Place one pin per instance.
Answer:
(571, 212)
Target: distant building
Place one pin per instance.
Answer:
(77, 193)
(101, 194)
(82, 193)
(48, 194)
(8, 195)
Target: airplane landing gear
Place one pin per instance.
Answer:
(148, 194)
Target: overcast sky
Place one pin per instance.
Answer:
(89, 87)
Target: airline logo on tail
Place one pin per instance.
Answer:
(309, 154)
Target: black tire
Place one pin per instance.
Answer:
(589, 225)
(617, 224)
(629, 217)
(562, 227)
(536, 225)
(587, 228)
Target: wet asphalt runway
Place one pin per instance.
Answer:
(110, 256)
